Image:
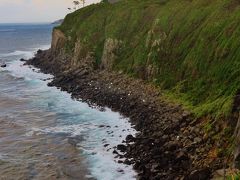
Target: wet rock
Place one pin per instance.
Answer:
(23, 60)
(165, 146)
(122, 147)
(120, 170)
(130, 138)
(3, 65)
(39, 51)
(115, 152)
(128, 162)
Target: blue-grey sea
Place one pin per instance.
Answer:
(44, 133)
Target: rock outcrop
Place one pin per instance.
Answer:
(111, 50)
(190, 54)
(58, 42)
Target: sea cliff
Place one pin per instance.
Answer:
(171, 66)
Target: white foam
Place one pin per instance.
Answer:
(102, 163)
(17, 69)
(75, 118)
(25, 54)
(71, 130)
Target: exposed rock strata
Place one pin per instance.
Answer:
(170, 143)
(110, 53)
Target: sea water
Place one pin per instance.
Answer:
(44, 133)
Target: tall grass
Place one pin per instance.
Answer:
(194, 45)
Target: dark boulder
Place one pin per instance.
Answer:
(39, 51)
(3, 65)
(23, 60)
(130, 138)
(122, 147)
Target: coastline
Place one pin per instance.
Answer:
(169, 144)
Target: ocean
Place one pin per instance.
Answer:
(44, 133)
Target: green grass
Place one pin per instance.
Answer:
(193, 45)
(233, 177)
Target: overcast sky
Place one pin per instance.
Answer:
(22, 11)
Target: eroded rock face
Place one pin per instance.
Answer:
(58, 41)
(111, 50)
(169, 144)
(82, 57)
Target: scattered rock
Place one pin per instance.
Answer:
(172, 145)
(40, 51)
(23, 60)
(202, 174)
(122, 147)
(3, 65)
(128, 162)
(182, 156)
(115, 152)
(130, 138)
(197, 140)
(120, 170)
(165, 145)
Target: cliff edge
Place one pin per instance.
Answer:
(187, 50)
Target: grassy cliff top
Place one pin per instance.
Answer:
(191, 46)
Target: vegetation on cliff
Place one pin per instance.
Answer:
(189, 48)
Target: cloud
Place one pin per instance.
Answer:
(34, 10)
(14, 2)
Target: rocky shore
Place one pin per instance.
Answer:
(170, 143)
